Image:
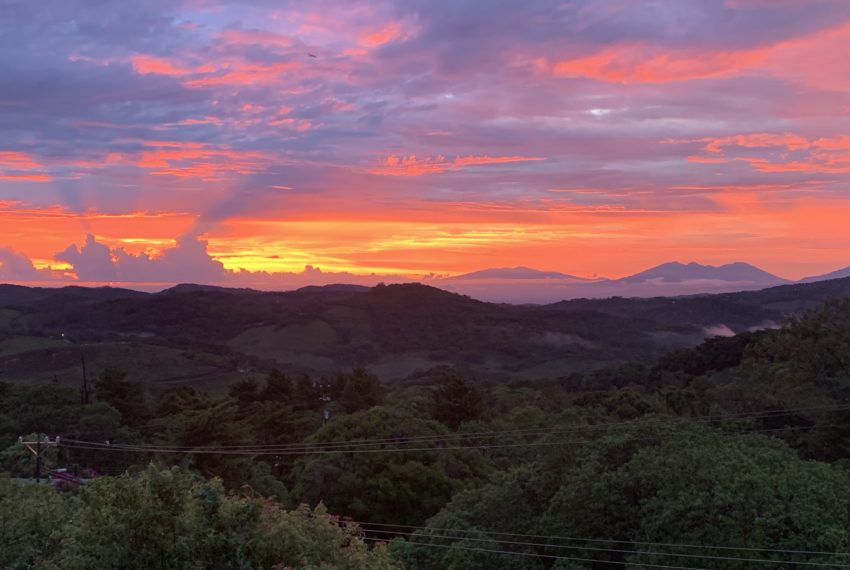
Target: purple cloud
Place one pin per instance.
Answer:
(289, 110)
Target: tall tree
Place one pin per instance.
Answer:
(278, 387)
(360, 390)
(126, 396)
(455, 401)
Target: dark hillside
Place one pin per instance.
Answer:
(739, 311)
(209, 334)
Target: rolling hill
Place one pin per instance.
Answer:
(837, 274)
(210, 336)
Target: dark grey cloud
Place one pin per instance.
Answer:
(188, 261)
(15, 266)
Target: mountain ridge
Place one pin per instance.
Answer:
(674, 271)
(214, 337)
(517, 285)
(837, 274)
(518, 272)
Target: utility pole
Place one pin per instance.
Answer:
(84, 389)
(84, 386)
(38, 461)
(38, 447)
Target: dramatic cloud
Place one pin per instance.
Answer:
(187, 262)
(402, 137)
(15, 266)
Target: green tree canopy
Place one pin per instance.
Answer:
(360, 390)
(168, 518)
(384, 486)
(126, 396)
(455, 401)
(683, 485)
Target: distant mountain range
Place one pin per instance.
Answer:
(520, 272)
(676, 272)
(527, 285)
(839, 274)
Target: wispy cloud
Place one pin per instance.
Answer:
(419, 166)
(680, 124)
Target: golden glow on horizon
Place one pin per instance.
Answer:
(579, 242)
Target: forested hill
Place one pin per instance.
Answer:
(208, 336)
(739, 311)
(730, 455)
(17, 295)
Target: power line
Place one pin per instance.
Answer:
(476, 435)
(77, 444)
(546, 556)
(603, 540)
(609, 550)
(353, 449)
(531, 431)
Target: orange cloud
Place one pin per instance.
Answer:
(792, 236)
(786, 234)
(412, 166)
(198, 160)
(23, 167)
(26, 177)
(58, 227)
(758, 140)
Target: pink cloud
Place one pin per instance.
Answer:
(146, 64)
(257, 37)
(221, 71)
(780, 152)
(390, 32)
(635, 63)
(413, 166)
(198, 160)
(816, 59)
(242, 73)
(23, 167)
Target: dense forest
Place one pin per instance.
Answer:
(733, 453)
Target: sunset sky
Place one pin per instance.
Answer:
(411, 137)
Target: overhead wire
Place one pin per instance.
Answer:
(476, 435)
(76, 444)
(454, 536)
(546, 556)
(353, 447)
(365, 524)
